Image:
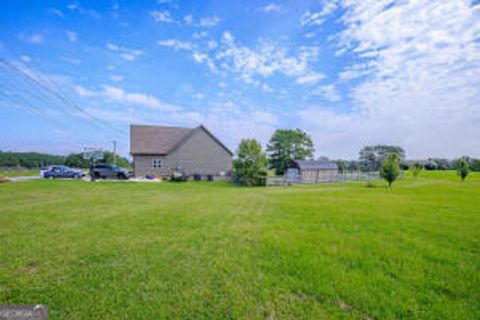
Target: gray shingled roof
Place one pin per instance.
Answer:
(316, 165)
(156, 139)
(147, 139)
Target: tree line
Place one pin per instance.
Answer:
(251, 163)
(29, 159)
(33, 160)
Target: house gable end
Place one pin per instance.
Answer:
(192, 133)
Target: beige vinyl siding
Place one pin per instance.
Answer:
(200, 153)
(143, 165)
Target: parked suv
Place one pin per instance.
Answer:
(54, 172)
(111, 171)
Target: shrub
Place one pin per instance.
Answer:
(462, 168)
(416, 169)
(390, 168)
(250, 165)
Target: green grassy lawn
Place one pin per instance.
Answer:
(12, 174)
(202, 250)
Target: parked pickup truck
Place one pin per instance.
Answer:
(110, 171)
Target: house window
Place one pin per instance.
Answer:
(157, 163)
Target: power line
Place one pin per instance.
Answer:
(23, 103)
(27, 89)
(19, 101)
(29, 108)
(45, 78)
(58, 95)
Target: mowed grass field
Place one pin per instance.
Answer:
(13, 174)
(125, 250)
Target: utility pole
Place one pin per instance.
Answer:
(114, 152)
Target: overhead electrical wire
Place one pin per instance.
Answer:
(26, 89)
(53, 90)
(19, 102)
(22, 103)
(17, 92)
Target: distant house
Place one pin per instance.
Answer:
(158, 150)
(314, 171)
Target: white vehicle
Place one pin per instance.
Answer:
(42, 172)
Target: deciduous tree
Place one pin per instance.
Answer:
(374, 156)
(462, 168)
(286, 146)
(390, 168)
(250, 164)
(416, 169)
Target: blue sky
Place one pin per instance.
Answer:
(350, 73)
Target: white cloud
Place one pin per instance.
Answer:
(205, 22)
(71, 60)
(357, 70)
(35, 38)
(197, 55)
(116, 94)
(72, 36)
(84, 92)
(415, 80)
(271, 7)
(232, 127)
(212, 44)
(131, 56)
(266, 59)
(227, 36)
(328, 92)
(209, 22)
(81, 10)
(318, 18)
(188, 19)
(266, 88)
(175, 44)
(112, 47)
(310, 78)
(125, 53)
(73, 6)
(199, 35)
(265, 117)
(26, 58)
(116, 78)
(162, 16)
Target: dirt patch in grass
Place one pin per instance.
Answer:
(30, 268)
(344, 306)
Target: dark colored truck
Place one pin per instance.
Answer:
(110, 171)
